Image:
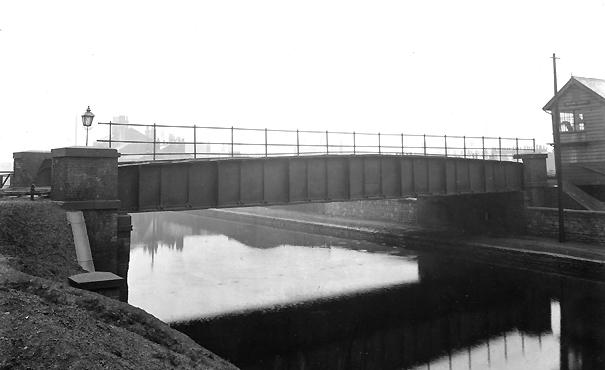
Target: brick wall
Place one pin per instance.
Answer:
(102, 227)
(551, 200)
(31, 168)
(580, 225)
(492, 213)
(392, 210)
(84, 178)
(500, 213)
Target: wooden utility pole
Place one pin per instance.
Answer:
(556, 126)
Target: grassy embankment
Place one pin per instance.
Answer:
(46, 324)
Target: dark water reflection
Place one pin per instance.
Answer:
(433, 311)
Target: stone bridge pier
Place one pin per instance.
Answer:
(497, 212)
(86, 179)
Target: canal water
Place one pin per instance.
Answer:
(266, 298)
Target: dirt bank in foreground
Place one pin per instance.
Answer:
(46, 324)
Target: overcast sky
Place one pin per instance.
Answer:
(456, 67)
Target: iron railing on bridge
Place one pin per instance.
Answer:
(160, 141)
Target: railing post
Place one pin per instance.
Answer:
(464, 146)
(402, 143)
(424, 143)
(517, 147)
(327, 145)
(483, 146)
(154, 140)
(297, 143)
(445, 144)
(232, 153)
(266, 144)
(500, 147)
(534, 144)
(194, 141)
(379, 149)
(354, 145)
(110, 134)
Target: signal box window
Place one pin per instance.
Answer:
(572, 121)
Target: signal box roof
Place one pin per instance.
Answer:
(594, 85)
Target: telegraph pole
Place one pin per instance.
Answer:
(556, 126)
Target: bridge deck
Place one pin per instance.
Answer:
(237, 182)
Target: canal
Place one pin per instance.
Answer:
(266, 298)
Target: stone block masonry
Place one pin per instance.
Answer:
(86, 179)
(84, 174)
(580, 225)
(534, 177)
(102, 226)
(472, 213)
(124, 222)
(391, 210)
(494, 213)
(31, 168)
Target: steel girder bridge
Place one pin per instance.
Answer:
(239, 182)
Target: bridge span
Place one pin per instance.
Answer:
(238, 182)
(486, 193)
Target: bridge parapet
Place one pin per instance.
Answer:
(220, 183)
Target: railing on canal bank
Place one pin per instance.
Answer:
(161, 141)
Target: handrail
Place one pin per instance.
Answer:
(334, 143)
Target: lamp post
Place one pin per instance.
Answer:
(87, 118)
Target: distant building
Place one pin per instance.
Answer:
(122, 137)
(121, 132)
(135, 145)
(581, 103)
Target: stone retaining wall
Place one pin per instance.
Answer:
(580, 225)
(499, 213)
(392, 210)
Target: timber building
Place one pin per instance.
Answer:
(581, 104)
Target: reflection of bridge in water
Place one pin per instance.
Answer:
(152, 230)
(458, 313)
(458, 316)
